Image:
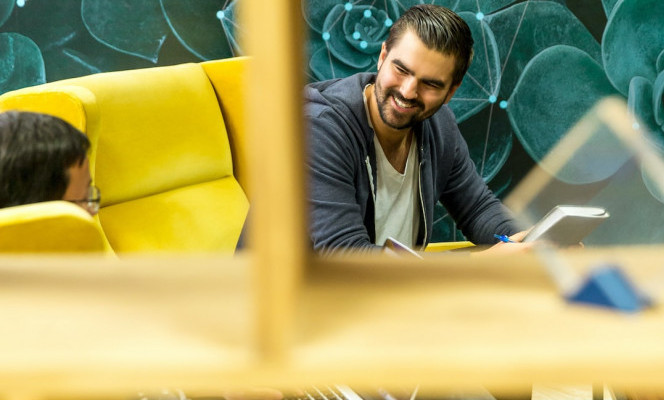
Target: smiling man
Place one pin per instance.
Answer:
(384, 148)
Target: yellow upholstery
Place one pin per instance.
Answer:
(54, 226)
(160, 151)
(444, 246)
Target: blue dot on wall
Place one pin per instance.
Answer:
(348, 6)
(326, 36)
(367, 13)
(388, 22)
(364, 44)
(20, 3)
(356, 35)
(479, 15)
(503, 104)
(636, 126)
(492, 99)
(220, 15)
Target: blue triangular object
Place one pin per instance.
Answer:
(607, 286)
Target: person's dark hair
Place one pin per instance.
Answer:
(440, 29)
(36, 151)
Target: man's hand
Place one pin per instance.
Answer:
(513, 247)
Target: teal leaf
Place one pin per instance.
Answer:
(608, 6)
(36, 20)
(483, 6)
(21, 62)
(325, 66)
(365, 29)
(525, 29)
(483, 77)
(444, 229)
(6, 8)
(633, 41)
(655, 185)
(315, 12)
(207, 28)
(132, 27)
(640, 104)
(660, 62)
(489, 138)
(657, 98)
(337, 43)
(548, 101)
(451, 4)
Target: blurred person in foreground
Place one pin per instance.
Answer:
(43, 158)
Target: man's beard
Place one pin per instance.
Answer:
(398, 121)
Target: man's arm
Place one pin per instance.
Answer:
(337, 221)
(475, 209)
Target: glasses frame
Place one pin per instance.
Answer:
(92, 201)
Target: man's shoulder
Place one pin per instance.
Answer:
(340, 92)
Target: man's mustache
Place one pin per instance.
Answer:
(409, 103)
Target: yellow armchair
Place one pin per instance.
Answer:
(160, 153)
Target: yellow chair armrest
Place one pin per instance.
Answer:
(51, 227)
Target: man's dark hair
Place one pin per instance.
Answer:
(440, 29)
(36, 151)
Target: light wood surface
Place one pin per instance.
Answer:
(82, 326)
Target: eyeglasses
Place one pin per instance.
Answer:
(91, 202)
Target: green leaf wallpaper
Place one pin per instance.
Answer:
(539, 65)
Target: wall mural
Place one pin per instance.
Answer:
(539, 65)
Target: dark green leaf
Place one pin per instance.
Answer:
(483, 77)
(444, 229)
(206, 27)
(608, 6)
(6, 8)
(525, 29)
(640, 104)
(658, 98)
(337, 43)
(633, 41)
(654, 183)
(489, 138)
(132, 27)
(548, 101)
(483, 6)
(48, 23)
(325, 66)
(315, 12)
(21, 62)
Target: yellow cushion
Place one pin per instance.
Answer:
(204, 217)
(444, 246)
(54, 226)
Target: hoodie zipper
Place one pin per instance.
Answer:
(424, 217)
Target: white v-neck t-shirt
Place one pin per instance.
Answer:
(397, 211)
(397, 197)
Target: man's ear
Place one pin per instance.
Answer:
(383, 54)
(451, 92)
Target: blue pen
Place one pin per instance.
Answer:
(503, 238)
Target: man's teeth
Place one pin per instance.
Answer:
(402, 104)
